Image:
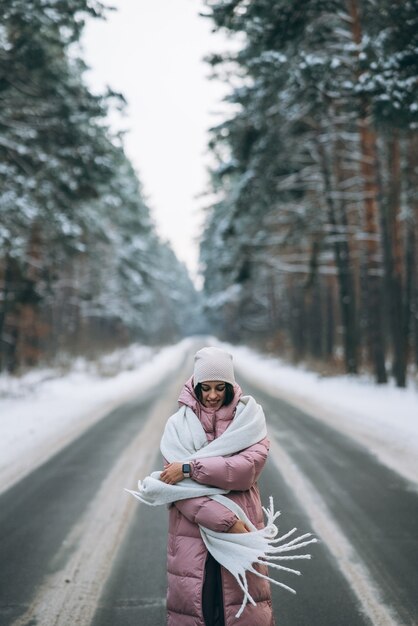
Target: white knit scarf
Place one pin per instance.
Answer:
(184, 440)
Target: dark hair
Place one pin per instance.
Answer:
(229, 393)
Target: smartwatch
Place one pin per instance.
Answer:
(187, 470)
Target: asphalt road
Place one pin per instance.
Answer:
(375, 509)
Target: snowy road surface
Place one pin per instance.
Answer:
(75, 549)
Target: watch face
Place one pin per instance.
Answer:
(186, 468)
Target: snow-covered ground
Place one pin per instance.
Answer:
(382, 418)
(45, 409)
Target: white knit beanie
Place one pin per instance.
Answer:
(213, 364)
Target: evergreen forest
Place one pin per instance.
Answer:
(82, 268)
(310, 247)
(310, 243)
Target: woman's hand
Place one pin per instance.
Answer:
(238, 527)
(172, 473)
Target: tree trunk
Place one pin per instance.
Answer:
(370, 206)
(4, 301)
(297, 320)
(342, 262)
(9, 315)
(394, 265)
(349, 303)
(330, 318)
(29, 329)
(412, 240)
(373, 253)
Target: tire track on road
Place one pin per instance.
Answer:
(70, 595)
(366, 514)
(324, 526)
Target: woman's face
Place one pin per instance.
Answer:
(213, 393)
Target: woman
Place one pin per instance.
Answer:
(200, 591)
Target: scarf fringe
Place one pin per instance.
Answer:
(269, 533)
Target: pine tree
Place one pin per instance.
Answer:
(318, 88)
(80, 260)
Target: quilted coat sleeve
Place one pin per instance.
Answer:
(237, 472)
(207, 512)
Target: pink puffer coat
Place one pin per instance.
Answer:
(186, 551)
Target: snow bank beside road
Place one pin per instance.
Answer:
(42, 411)
(382, 418)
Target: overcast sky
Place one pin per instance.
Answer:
(151, 51)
